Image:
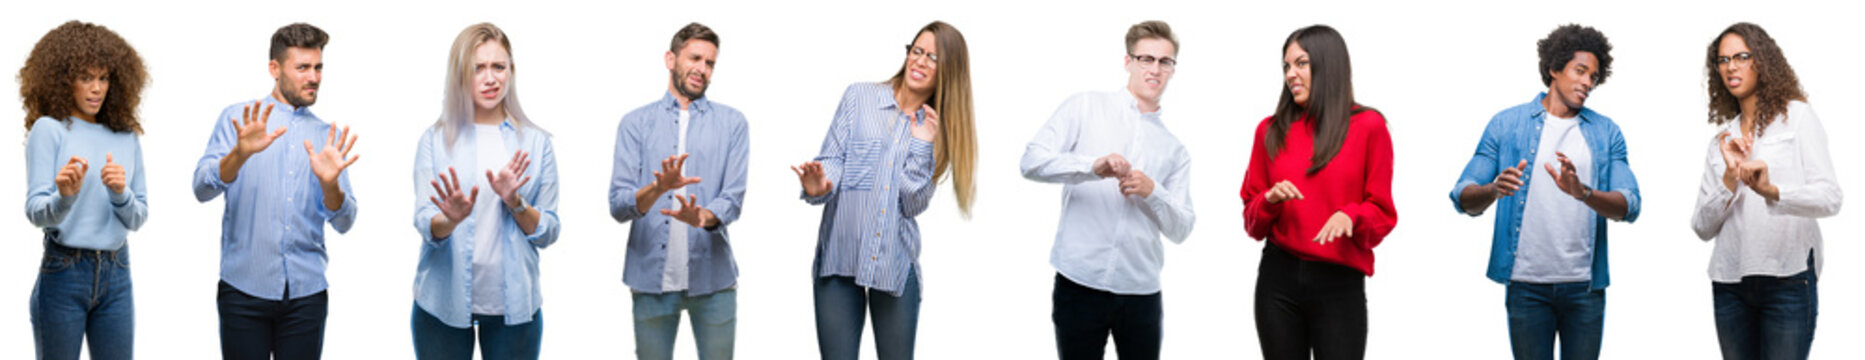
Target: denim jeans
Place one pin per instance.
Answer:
(840, 308)
(1767, 317)
(434, 340)
(1084, 318)
(252, 328)
(657, 323)
(1309, 307)
(1540, 312)
(83, 293)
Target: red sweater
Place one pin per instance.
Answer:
(1357, 182)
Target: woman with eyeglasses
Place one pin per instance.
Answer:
(888, 146)
(1767, 179)
(1311, 283)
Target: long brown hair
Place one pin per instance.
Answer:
(1330, 100)
(1776, 87)
(956, 147)
(69, 52)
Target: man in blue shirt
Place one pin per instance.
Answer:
(1549, 244)
(680, 166)
(272, 298)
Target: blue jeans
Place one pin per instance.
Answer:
(1540, 312)
(657, 323)
(840, 308)
(252, 328)
(83, 293)
(1766, 317)
(433, 339)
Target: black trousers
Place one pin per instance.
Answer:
(1084, 317)
(255, 328)
(1309, 307)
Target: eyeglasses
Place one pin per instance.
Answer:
(1164, 63)
(1742, 58)
(917, 52)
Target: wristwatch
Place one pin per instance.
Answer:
(1586, 193)
(520, 208)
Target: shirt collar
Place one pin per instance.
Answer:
(885, 98)
(1133, 103)
(1541, 110)
(699, 105)
(286, 107)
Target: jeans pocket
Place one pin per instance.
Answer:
(55, 263)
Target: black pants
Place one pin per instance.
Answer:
(1084, 317)
(1309, 306)
(255, 328)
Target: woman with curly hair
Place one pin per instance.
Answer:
(81, 85)
(1767, 179)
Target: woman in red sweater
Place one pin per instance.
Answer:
(1311, 284)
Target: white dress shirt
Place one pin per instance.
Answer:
(1755, 236)
(1108, 241)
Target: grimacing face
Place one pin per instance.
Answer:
(1574, 82)
(1738, 75)
(1148, 81)
(88, 91)
(1296, 75)
(298, 74)
(922, 70)
(690, 69)
(492, 65)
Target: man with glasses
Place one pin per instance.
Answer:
(1106, 148)
(680, 172)
(1549, 244)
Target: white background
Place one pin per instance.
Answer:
(1437, 70)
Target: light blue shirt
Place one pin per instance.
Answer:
(719, 148)
(883, 178)
(272, 233)
(95, 218)
(443, 280)
(1514, 135)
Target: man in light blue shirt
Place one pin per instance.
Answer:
(272, 299)
(680, 166)
(1549, 244)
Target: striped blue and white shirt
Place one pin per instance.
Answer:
(272, 233)
(445, 278)
(883, 178)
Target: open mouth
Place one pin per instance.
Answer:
(917, 75)
(489, 93)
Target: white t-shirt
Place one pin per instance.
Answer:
(674, 277)
(1556, 241)
(488, 214)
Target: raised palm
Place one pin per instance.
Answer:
(330, 162)
(456, 205)
(251, 128)
(507, 180)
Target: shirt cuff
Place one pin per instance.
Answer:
(121, 199)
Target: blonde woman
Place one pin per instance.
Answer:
(480, 234)
(889, 144)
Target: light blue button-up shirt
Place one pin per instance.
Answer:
(883, 178)
(272, 233)
(444, 279)
(718, 142)
(94, 218)
(1514, 135)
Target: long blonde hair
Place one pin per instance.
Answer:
(956, 148)
(457, 110)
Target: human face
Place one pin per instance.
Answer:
(88, 91)
(922, 63)
(298, 75)
(1147, 80)
(492, 65)
(1574, 82)
(1736, 66)
(1296, 76)
(690, 70)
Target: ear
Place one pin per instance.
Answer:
(274, 67)
(670, 59)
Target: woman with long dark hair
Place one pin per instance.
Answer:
(1311, 284)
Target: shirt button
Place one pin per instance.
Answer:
(883, 211)
(877, 234)
(883, 187)
(876, 258)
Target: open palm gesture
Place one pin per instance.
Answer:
(506, 181)
(330, 162)
(454, 204)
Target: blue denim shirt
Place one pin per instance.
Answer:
(272, 232)
(1514, 135)
(443, 281)
(718, 142)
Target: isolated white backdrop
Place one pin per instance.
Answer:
(1438, 70)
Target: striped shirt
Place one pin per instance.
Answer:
(719, 152)
(883, 178)
(272, 234)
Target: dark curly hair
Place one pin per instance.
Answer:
(69, 52)
(1776, 87)
(1559, 48)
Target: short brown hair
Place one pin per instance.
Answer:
(298, 35)
(1151, 29)
(68, 52)
(693, 31)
